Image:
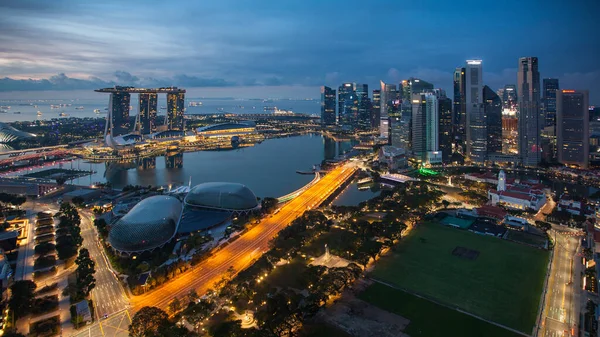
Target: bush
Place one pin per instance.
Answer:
(44, 248)
(37, 275)
(47, 289)
(44, 262)
(44, 304)
(46, 327)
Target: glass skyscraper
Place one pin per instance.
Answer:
(389, 104)
(445, 127)
(376, 108)
(493, 116)
(363, 105)
(347, 105)
(529, 112)
(460, 117)
(550, 87)
(327, 106)
(476, 121)
(572, 116)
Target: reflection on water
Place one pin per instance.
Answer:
(354, 194)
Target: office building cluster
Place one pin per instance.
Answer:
(525, 124)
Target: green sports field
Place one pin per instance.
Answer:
(495, 279)
(429, 319)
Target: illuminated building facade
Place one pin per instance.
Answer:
(363, 117)
(425, 128)
(327, 106)
(147, 116)
(493, 116)
(376, 108)
(118, 113)
(550, 86)
(347, 105)
(476, 121)
(459, 106)
(175, 110)
(389, 103)
(445, 127)
(509, 97)
(572, 116)
(529, 112)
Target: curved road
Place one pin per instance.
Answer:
(244, 250)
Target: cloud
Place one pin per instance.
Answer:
(125, 78)
(63, 82)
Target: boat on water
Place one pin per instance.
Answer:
(63, 114)
(364, 187)
(5, 107)
(79, 108)
(97, 111)
(39, 113)
(52, 106)
(194, 104)
(365, 180)
(17, 112)
(2, 111)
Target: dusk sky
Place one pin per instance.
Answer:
(289, 48)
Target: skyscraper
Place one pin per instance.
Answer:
(530, 117)
(376, 108)
(389, 102)
(445, 127)
(118, 113)
(425, 128)
(175, 109)
(572, 115)
(509, 97)
(459, 110)
(347, 105)
(413, 86)
(327, 106)
(363, 118)
(148, 107)
(476, 123)
(493, 116)
(549, 99)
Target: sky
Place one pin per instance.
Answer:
(289, 48)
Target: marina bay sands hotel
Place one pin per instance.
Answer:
(118, 121)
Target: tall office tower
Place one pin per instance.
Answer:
(347, 105)
(389, 103)
(119, 113)
(572, 116)
(476, 123)
(413, 86)
(549, 99)
(493, 116)
(327, 106)
(175, 109)
(147, 117)
(425, 128)
(445, 127)
(509, 97)
(376, 108)
(500, 93)
(363, 117)
(529, 112)
(459, 110)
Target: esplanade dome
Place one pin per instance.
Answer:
(148, 225)
(222, 196)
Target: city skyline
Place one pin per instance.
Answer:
(254, 49)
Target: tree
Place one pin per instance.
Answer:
(21, 301)
(174, 305)
(588, 253)
(12, 334)
(85, 272)
(269, 204)
(193, 296)
(78, 201)
(148, 321)
(445, 203)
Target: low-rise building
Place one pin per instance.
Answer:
(571, 204)
(521, 196)
(394, 157)
(27, 187)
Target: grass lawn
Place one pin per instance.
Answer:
(527, 238)
(502, 284)
(427, 318)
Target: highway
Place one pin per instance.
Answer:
(248, 247)
(561, 308)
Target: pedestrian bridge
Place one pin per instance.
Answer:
(399, 178)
